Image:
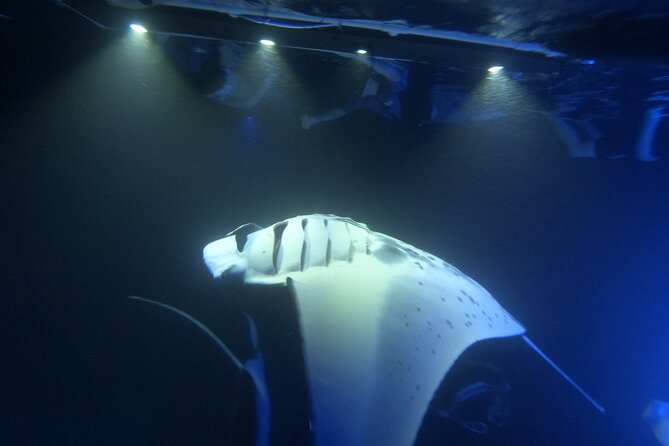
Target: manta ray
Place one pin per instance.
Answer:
(382, 322)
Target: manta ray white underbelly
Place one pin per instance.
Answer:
(382, 322)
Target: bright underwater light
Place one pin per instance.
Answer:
(361, 51)
(138, 28)
(495, 69)
(267, 42)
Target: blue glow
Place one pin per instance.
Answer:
(588, 62)
(249, 133)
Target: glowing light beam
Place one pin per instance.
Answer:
(138, 28)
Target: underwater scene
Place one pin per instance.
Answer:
(348, 223)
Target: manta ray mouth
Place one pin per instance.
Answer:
(223, 259)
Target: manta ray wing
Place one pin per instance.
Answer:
(379, 339)
(382, 322)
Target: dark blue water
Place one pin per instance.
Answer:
(116, 173)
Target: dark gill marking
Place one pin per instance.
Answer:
(303, 254)
(328, 252)
(278, 233)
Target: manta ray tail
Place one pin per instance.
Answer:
(254, 366)
(564, 375)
